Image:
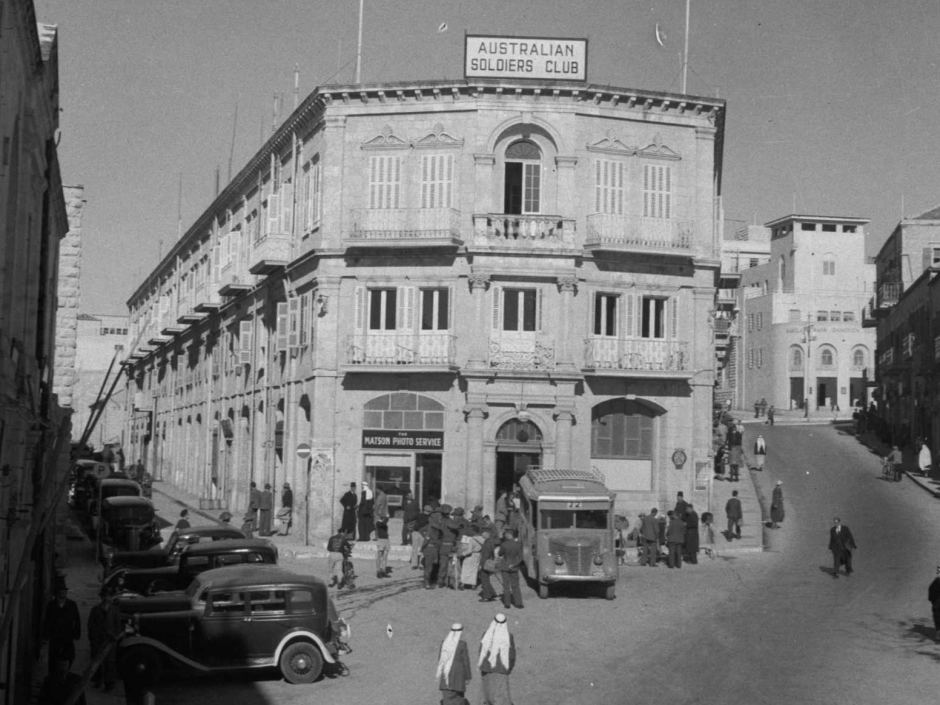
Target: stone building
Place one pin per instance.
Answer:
(906, 312)
(34, 430)
(101, 340)
(435, 285)
(802, 338)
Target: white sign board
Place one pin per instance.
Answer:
(544, 58)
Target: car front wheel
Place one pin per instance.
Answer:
(301, 662)
(140, 665)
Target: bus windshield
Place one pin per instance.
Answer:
(573, 519)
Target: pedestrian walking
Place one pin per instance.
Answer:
(776, 506)
(510, 558)
(183, 521)
(450, 534)
(381, 549)
(487, 565)
(471, 547)
(691, 545)
(418, 531)
(771, 412)
(410, 511)
(285, 515)
(924, 458)
(734, 513)
(254, 502)
(735, 441)
(708, 535)
(760, 452)
(933, 594)
(104, 628)
(338, 548)
(453, 667)
(681, 506)
(431, 548)
(497, 659)
(62, 625)
(841, 543)
(379, 504)
(266, 511)
(349, 502)
(366, 516)
(675, 539)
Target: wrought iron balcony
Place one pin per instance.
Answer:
(270, 253)
(395, 227)
(524, 352)
(889, 293)
(498, 231)
(625, 233)
(635, 355)
(378, 349)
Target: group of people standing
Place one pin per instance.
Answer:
(677, 533)
(497, 658)
(260, 515)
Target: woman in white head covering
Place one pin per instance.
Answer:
(497, 659)
(453, 667)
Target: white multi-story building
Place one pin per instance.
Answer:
(436, 284)
(802, 339)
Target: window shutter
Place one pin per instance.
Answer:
(244, 343)
(497, 308)
(673, 307)
(294, 315)
(360, 312)
(405, 318)
(538, 310)
(287, 207)
(450, 308)
(280, 344)
(629, 322)
(274, 214)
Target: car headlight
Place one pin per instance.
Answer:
(598, 559)
(559, 560)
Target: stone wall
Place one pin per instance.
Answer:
(69, 296)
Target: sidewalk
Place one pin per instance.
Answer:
(929, 484)
(292, 546)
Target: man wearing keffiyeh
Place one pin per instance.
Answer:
(453, 667)
(497, 659)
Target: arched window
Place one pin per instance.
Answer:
(621, 428)
(796, 359)
(826, 357)
(523, 178)
(858, 357)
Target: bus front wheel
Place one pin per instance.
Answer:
(610, 591)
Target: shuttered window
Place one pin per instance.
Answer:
(384, 182)
(657, 191)
(437, 177)
(608, 186)
(245, 342)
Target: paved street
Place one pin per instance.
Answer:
(749, 627)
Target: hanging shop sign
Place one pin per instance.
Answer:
(403, 440)
(544, 58)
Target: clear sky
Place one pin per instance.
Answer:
(833, 105)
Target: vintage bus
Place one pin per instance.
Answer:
(567, 528)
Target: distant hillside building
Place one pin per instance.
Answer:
(802, 339)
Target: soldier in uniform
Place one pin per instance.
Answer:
(431, 549)
(450, 535)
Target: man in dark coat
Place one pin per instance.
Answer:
(350, 501)
(681, 505)
(510, 557)
(487, 553)
(61, 627)
(409, 518)
(104, 627)
(266, 511)
(691, 535)
(933, 594)
(431, 548)
(366, 515)
(675, 539)
(776, 505)
(734, 513)
(841, 543)
(254, 502)
(453, 667)
(285, 515)
(649, 535)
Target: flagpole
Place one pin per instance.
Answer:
(359, 48)
(685, 53)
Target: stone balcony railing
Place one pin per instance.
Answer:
(391, 226)
(525, 352)
(390, 348)
(627, 233)
(269, 251)
(523, 232)
(636, 354)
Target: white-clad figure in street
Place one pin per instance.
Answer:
(453, 667)
(497, 659)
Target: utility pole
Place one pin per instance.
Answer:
(808, 338)
(359, 48)
(685, 53)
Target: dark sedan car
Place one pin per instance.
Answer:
(169, 554)
(193, 560)
(245, 617)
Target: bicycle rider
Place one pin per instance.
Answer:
(894, 461)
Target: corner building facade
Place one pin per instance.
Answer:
(436, 285)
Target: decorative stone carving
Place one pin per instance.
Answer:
(478, 281)
(438, 139)
(567, 284)
(386, 140)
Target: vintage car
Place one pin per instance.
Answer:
(101, 489)
(244, 617)
(85, 475)
(193, 560)
(126, 523)
(567, 528)
(170, 552)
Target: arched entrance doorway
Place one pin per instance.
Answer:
(518, 446)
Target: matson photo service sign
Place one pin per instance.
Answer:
(550, 58)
